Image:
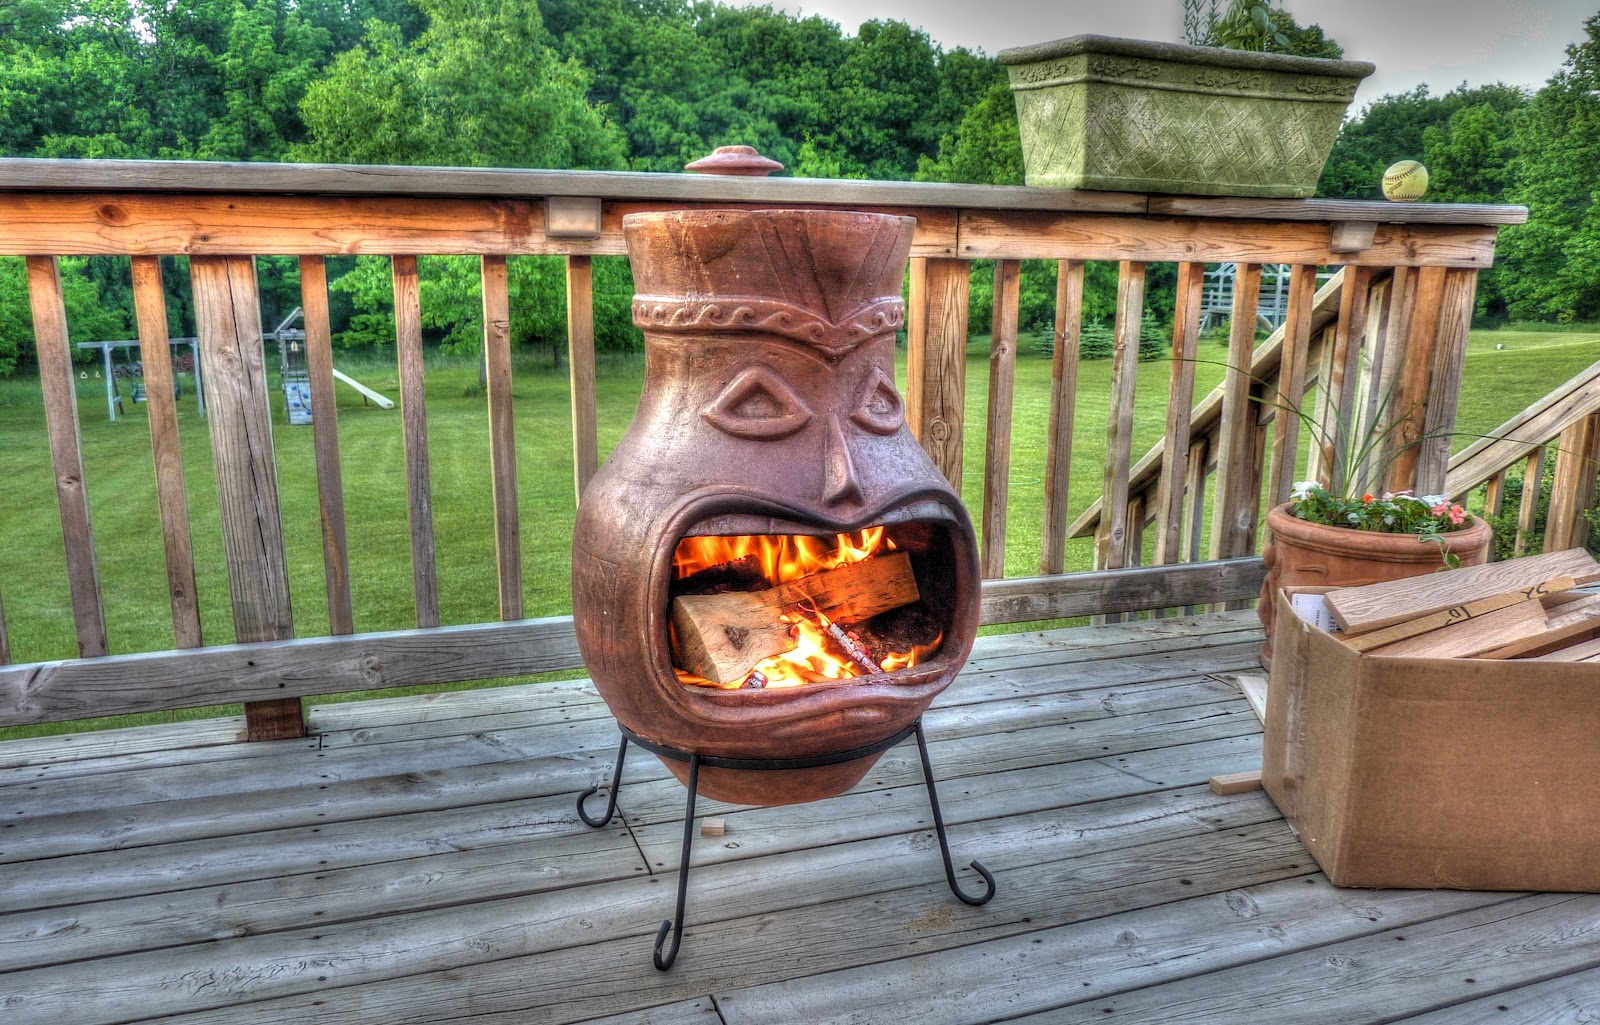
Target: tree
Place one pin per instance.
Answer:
(1554, 259)
(89, 318)
(1395, 128)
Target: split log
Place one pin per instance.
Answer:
(1574, 621)
(721, 637)
(1374, 606)
(1489, 631)
(1457, 614)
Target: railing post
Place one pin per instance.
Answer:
(227, 311)
(1173, 485)
(66, 452)
(1572, 493)
(325, 439)
(1063, 400)
(997, 447)
(936, 361)
(1237, 504)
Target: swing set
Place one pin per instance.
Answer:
(134, 370)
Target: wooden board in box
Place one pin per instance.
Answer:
(1434, 773)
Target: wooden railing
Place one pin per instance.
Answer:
(1406, 292)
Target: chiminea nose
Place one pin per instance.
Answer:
(839, 473)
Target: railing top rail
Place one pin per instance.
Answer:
(183, 176)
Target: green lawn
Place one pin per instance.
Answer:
(119, 474)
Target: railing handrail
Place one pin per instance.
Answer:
(195, 176)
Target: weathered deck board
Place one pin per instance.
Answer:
(420, 861)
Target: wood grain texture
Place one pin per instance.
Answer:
(1063, 401)
(414, 416)
(1233, 517)
(997, 443)
(1341, 376)
(1444, 385)
(1533, 427)
(1115, 591)
(1232, 783)
(1457, 615)
(1528, 508)
(1033, 235)
(1575, 621)
(1194, 486)
(916, 342)
(580, 364)
(1172, 483)
(180, 176)
(155, 354)
(220, 674)
(1413, 382)
(1494, 495)
(936, 396)
(1489, 631)
(1572, 493)
(1286, 418)
(1374, 606)
(502, 435)
(66, 452)
(325, 439)
(1333, 210)
(228, 321)
(1208, 411)
(1111, 544)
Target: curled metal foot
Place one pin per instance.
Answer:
(944, 839)
(611, 800)
(675, 927)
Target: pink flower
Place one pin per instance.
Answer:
(1457, 515)
(1443, 508)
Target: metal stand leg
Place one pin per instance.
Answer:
(663, 962)
(944, 840)
(611, 801)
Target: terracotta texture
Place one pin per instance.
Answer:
(1312, 555)
(769, 406)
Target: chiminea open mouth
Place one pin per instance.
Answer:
(762, 605)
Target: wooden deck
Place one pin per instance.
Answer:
(419, 860)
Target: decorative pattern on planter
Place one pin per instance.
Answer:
(1126, 116)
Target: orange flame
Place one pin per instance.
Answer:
(781, 558)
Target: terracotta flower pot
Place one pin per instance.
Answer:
(1306, 554)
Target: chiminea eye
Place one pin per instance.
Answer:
(880, 409)
(757, 405)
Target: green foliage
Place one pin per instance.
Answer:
(1552, 263)
(1429, 516)
(1396, 127)
(90, 319)
(1503, 545)
(431, 101)
(1253, 25)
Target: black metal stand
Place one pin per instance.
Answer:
(663, 961)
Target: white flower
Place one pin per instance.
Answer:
(1432, 500)
(1302, 490)
(1388, 520)
(1353, 518)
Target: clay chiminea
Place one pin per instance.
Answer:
(770, 413)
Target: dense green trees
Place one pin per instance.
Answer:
(651, 85)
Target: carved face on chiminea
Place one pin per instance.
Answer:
(769, 566)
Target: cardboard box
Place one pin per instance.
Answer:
(1428, 773)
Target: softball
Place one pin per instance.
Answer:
(1405, 182)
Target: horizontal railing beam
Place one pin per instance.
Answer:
(42, 692)
(1027, 599)
(189, 176)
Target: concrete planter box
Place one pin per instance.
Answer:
(1125, 115)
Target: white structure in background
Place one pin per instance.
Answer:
(297, 378)
(1216, 296)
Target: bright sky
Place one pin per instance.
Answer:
(1439, 42)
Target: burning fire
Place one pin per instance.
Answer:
(823, 650)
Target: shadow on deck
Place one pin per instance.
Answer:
(419, 860)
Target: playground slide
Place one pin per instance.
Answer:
(382, 403)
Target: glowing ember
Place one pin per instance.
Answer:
(822, 650)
